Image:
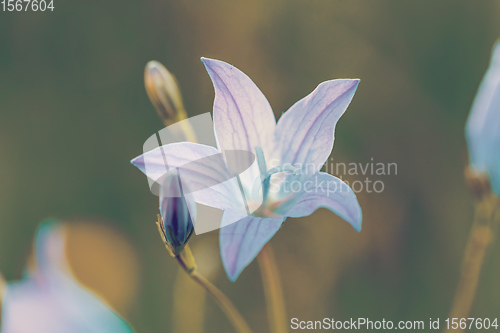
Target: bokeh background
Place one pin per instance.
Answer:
(73, 112)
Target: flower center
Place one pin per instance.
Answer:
(271, 202)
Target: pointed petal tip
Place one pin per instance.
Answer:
(347, 85)
(355, 219)
(137, 161)
(355, 83)
(208, 61)
(209, 64)
(357, 222)
(214, 65)
(358, 226)
(233, 277)
(231, 271)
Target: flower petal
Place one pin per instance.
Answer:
(327, 191)
(61, 308)
(305, 133)
(243, 118)
(483, 124)
(202, 169)
(240, 242)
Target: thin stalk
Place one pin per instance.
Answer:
(480, 238)
(189, 303)
(276, 311)
(225, 304)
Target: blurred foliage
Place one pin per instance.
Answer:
(73, 112)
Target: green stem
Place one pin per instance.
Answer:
(480, 238)
(272, 288)
(225, 304)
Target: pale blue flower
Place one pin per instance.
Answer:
(285, 181)
(483, 126)
(49, 300)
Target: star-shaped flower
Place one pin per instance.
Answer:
(284, 181)
(483, 125)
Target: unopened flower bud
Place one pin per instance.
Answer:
(164, 93)
(176, 225)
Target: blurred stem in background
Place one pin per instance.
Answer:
(275, 302)
(487, 209)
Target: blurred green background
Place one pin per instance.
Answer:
(73, 112)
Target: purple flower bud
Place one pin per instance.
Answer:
(177, 225)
